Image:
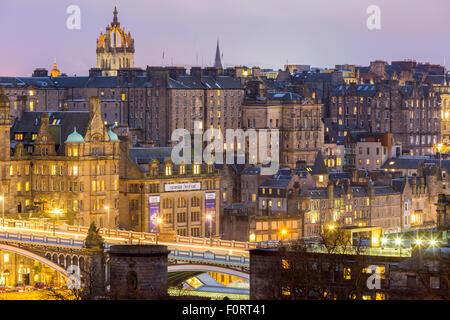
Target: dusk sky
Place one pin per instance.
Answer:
(266, 33)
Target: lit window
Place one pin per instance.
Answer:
(75, 170)
(347, 273)
(285, 264)
(53, 170)
(168, 170)
(11, 170)
(123, 96)
(196, 169)
(320, 178)
(19, 186)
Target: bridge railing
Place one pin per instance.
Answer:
(129, 235)
(13, 236)
(208, 255)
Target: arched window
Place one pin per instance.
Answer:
(167, 203)
(181, 202)
(195, 202)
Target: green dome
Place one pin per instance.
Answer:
(75, 137)
(112, 135)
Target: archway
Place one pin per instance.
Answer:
(34, 256)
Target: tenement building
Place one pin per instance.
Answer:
(160, 196)
(299, 121)
(411, 112)
(60, 165)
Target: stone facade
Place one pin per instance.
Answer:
(49, 173)
(299, 123)
(138, 272)
(181, 192)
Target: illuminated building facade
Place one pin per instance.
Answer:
(61, 166)
(185, 197)
(115, 48)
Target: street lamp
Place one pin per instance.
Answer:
(209, 219)
(439, 148)
(56, 212)
(107, 219)
(2, 199)
(158, 224)
(252, 237)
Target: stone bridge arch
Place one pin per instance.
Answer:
(35, 256)
(180, 272)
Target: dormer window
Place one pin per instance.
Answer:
(182, 169)
(18, 136)
(196, 169)
(168, 170)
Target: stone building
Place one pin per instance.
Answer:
(61, 165)
(298, 120)
(411, 112)
(182, 196)
(115, 48)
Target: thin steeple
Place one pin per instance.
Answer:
(218, 62)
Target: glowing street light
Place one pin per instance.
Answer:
(158, 224)
(384, 241)
(418, 242)
(56, 212)
(107, 219)
(2, 199)
(433, 243)
(331, 227)
(252, 237)
(209, 219)
(398, 241)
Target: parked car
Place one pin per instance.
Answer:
(40, 286)
(20, 287)
(4, 288)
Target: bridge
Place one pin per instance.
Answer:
(63, 245)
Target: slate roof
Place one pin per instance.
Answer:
(362, 90)
(146, 155)
(276, 183)
(66, 121)
(404, 163)
(319, 165)
(384, 190)
(252, 170)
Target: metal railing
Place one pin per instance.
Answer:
(126, 235)
(209, 256)
(32, 238)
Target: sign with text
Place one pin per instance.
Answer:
(171, 187)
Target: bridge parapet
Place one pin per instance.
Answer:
(32, 238)
(208, 257)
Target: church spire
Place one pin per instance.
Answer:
(115, 19)
(218, 62)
